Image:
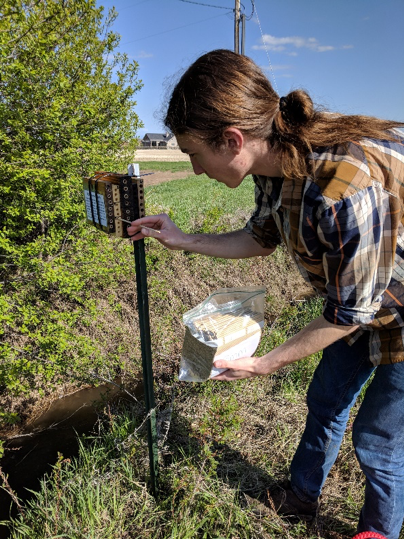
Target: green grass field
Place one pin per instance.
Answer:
(198, 199)
(166, 166)
(224, 439)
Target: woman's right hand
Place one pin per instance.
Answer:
(236, 244)
(159, 227)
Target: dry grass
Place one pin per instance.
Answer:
(177, 282)
(259, 450)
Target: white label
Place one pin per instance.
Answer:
(101, 207)
(134, 169)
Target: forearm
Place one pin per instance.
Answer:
(314, 337)
(237, 244)
(311, 339)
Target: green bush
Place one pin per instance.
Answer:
(66, 110)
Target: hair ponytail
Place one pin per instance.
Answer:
(296, 108)
(290, 133)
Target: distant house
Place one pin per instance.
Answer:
(159, 140)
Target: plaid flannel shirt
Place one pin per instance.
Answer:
(344, 228)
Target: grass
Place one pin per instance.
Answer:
(208, 204)
(222, 442)
(102, 494)
(162, 166)
(225, 439)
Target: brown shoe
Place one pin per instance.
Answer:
(282, 500)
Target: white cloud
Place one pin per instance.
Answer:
(287, 44)
(325, 48)
(143, 54)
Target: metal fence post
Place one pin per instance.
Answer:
(145, 342)
(121, 200)
(144, 323)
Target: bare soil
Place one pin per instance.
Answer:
(159, 176)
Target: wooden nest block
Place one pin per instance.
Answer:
(218, 336)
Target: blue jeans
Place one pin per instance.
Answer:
(378, 433)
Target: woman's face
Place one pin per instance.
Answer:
(225, 165)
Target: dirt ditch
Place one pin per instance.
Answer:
(32, 452)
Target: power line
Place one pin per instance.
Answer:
(172, 29)
(220, 7)
(207, 5)
(252, 11)
(266, 49)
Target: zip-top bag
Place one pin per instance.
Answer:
(227, 325)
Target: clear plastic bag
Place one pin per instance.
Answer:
(227, 325)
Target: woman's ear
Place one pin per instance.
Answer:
(233, 139)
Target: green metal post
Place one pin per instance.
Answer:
(144, 322)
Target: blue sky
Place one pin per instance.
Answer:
(348, 54)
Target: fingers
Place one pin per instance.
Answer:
(135, 236)
(144, 232)
(150, 232)
(237, 369)
(231, 374)
(147, 231)
(244, 364)
(160, 227)
(149, 226)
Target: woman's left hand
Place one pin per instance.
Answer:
(316, 336)
(245, 367)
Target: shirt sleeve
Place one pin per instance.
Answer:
(358, 262)
(261, 225)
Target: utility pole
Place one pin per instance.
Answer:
(243, 34)
(236, 26)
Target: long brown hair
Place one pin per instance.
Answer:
(223, 89)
